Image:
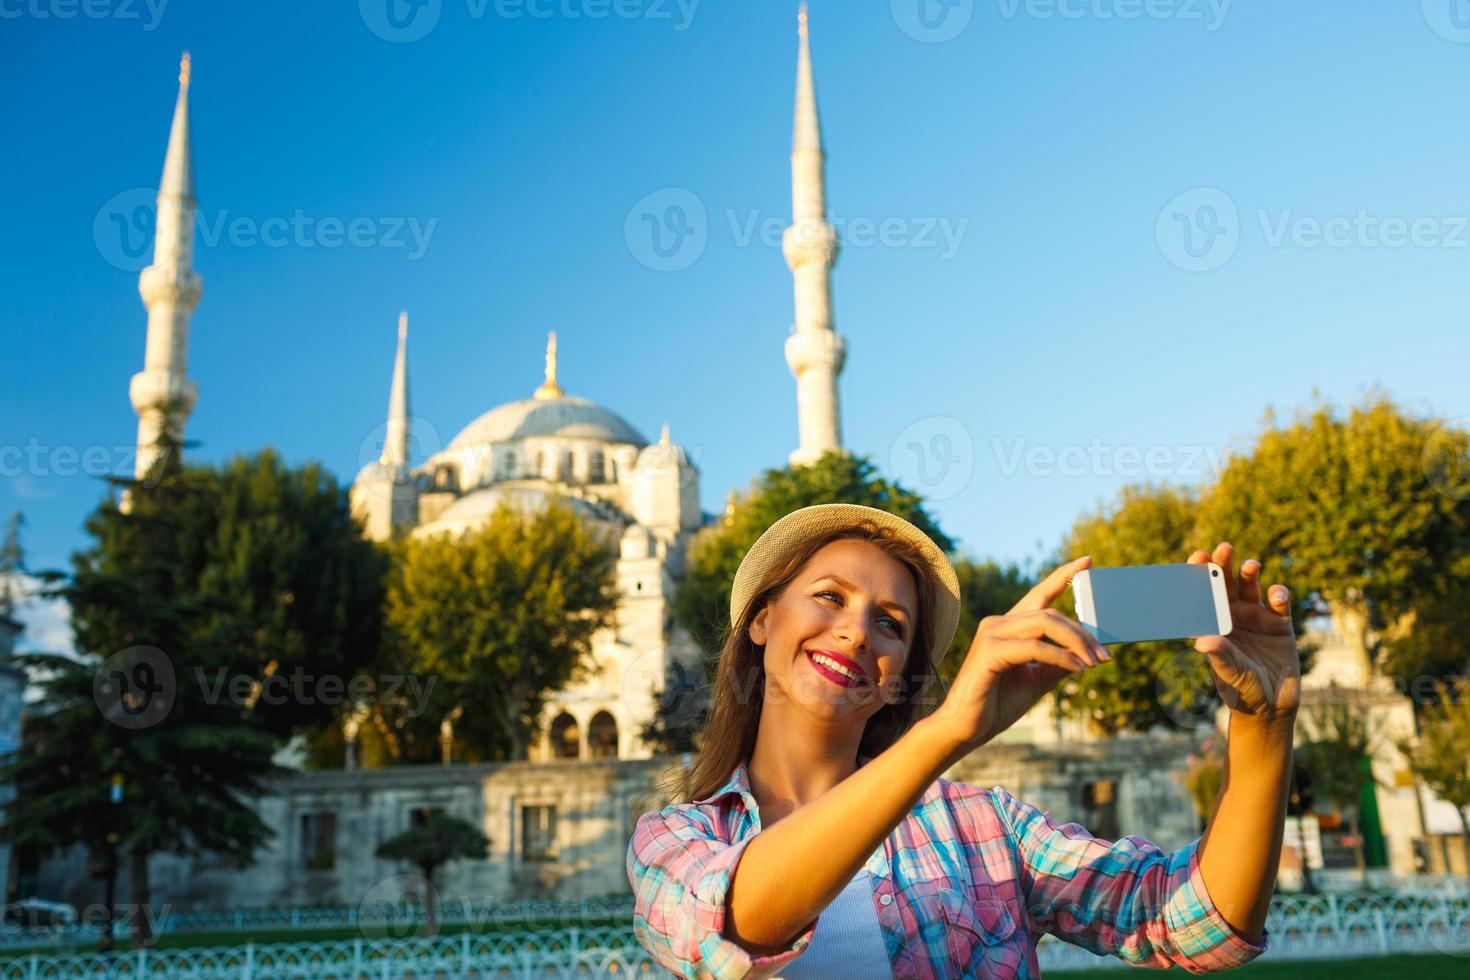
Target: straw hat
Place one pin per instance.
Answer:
(775, 545)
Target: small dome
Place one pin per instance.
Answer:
(661, 455)
(379, 471)
(566, 416)
(475, 508)
(637, 542)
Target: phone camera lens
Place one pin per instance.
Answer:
(1215, 573)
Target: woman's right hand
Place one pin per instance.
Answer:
(1009, 667)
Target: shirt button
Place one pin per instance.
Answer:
(885, 899)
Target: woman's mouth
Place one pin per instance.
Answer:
(836, 671)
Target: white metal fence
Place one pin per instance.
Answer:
(1321, 927)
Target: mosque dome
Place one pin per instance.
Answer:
(549, 412)
(565, 416)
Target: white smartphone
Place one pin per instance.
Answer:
(1133, 603)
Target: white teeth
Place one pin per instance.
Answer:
(834, 665)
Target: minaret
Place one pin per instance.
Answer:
(162, 395)
(395, 441)
(384, 496)
(814, 351)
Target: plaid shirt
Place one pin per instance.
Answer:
(963, 886)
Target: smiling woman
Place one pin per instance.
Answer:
(816, 795)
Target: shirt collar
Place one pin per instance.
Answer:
(739, 784)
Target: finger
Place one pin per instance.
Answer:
(1045, 592)
(1250, 580)
(1279, 599)
(1017, 652)
(1054, 626)
(1198, 557)
(1225, 558)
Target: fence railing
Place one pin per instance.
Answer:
(1299, 927)
(373, 919)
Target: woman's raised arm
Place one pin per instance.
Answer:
(796, 867)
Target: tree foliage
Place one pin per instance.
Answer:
(498, 618)
(159, 736)
(1441, 757)
(441, 838)
(1162, 682)
(1370, 512)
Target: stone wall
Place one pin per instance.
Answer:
(596, 805)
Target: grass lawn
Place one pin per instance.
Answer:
(1368, 968)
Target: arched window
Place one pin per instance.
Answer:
(594, 466)
(602, 736)
(508, 463)
(564, 737)
(566, 465)
(540, 464)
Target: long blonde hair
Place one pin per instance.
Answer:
(728, 736)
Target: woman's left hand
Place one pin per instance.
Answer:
(1256, 667)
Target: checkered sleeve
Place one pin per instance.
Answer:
(680, 872)
(1128, 898)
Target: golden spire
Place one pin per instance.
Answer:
(402, 324)
(801, 21)
(549, 388)
(184, 70)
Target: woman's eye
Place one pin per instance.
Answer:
(897, 626)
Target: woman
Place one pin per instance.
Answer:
(814, 837)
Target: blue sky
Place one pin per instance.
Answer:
(1086, 242)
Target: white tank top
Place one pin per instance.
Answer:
(848, 942)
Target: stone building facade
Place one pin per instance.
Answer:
(560, 829)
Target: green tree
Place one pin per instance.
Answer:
(500, 618)
(1159, 682)
(185, 606)
(441, 838)
(986, 588)
(1338, 740)
(702, 603)
(120, 756)
(1440, 758)
(1204, 776)
(1369, 512)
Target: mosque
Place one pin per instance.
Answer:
(559, 821)
(641, 497)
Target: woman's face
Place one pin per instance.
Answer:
(852, 603)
